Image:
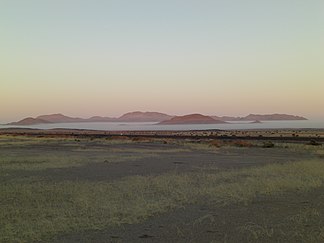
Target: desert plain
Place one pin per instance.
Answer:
(66, 185)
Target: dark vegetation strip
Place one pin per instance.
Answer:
(92, 134)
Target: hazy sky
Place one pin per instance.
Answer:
(85, 58)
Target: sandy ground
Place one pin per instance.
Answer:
(160, 160)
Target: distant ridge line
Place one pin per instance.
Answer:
(160, 118)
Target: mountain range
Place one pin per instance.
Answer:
(157, 117)
(258, 117)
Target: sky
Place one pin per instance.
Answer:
(85, 58)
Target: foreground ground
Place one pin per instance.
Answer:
(87, 189)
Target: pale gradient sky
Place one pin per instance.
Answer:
(85, 58)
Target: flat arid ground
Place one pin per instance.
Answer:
(73, 188)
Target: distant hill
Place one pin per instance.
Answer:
(162, 118)
(139, 116)
(273, 117)
(258, 117)
(29, 121)
(136, 116)
(59, 118)
(191, 119)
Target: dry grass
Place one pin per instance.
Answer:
(35, 210)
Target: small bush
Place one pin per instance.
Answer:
(314, 143)
(142, 139)
(240, 143)
(268, 144)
